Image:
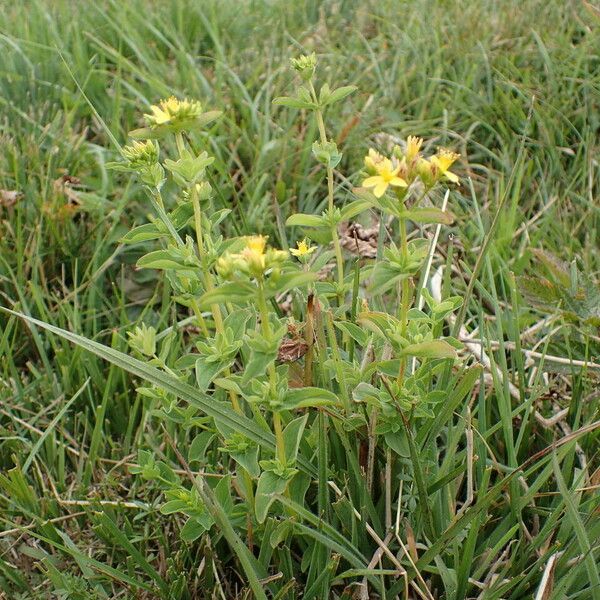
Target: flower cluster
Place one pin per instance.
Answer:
(174, 112)
(385, 173)
(404, 167)
(254, 259)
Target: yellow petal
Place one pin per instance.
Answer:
(445, 158)
(256, 243)
(380, 189)
(159, 115)
(413, 145)
(398, 182)
(451, 176)
(384, 165)
(372, 181)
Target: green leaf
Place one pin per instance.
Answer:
(235, 291)
(428, 214)
(193, 529)
(223, 494)
(281, 532)
(338, 94)
(248, 460)
(257, 364)
(163, 259)
(385, 275)
(198, 447)
(253, 570)
(539, 291)
(378, 322)
(327, 535)
(293, 102)
(463, 387)
(173, 506)
(143, 233)
(304, 220)
(354, 331)
(579, 527)
(398, 442)
(269, 484)
(219, 215)
(292, 435)
(556, 267)
(228, 384)
(386, 204)
(309, 397)
(430, 349)
(327, 153)
(206, 371)
(288, 281)
(367, 393)
(119, 537)
(355, 208)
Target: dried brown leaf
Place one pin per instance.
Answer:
(358, 240)
(9, 198)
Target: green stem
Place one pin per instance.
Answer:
(330, 205)
(405, 296)
(335, 352)
(209, 285)
(309, 338)
(207, 275)
(266, 329)
(180, 144)
(159, 206)
(199, 317)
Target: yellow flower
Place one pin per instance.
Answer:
(303, 249)
(256, 243)
(442, 162)
(173, 110)
(372, 159)
(254, 260)
(386, 174)
(254, 252)
(413, 146)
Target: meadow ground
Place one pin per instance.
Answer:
(514, 86)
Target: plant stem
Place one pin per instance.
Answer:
(208, 281)
(335, 352)
(309, 338)
(330, 206)
(199, 317)
(405, 296)
(267, 332)
(180, 144)
(209, 285)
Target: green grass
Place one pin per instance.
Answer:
(481, 77)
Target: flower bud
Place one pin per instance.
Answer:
(305, 65)
(141, 154)
(143, 339)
